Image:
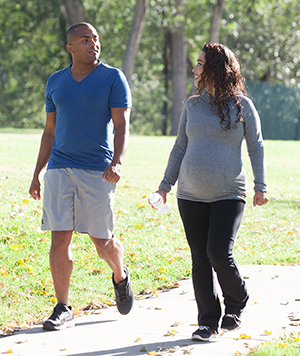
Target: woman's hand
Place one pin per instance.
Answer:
(163, 194)
(260, 198)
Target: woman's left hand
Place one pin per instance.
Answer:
(260, 198)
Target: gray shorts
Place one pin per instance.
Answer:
(78, 200)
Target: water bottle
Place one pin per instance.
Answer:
(156, 200)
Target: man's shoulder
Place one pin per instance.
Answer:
(111, 76)
(107, 70)
(107, 67)
(59, 73)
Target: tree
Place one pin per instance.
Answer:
(179, 64)
(215, 22)
(73, 12)
(266, 37)
(33, 43)
(264, 34)
(141, 9)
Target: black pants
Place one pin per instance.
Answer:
(210, 230)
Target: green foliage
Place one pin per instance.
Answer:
(264, 35)
(32, 41)
(286, 345)
(155, 248)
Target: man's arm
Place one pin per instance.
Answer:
(120, 117)
(44, 154)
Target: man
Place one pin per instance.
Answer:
(84, 142)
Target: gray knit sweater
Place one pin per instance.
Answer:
(207, 160)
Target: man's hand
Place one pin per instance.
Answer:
(260, 198)
(35, 189)
(112, 173)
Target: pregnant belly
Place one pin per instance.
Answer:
(208, 180)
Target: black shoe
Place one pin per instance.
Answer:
(124, 294)
(203, 333)
(61, 318)
(230, 322)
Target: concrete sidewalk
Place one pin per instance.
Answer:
(163, 325)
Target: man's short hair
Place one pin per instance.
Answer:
(73, 28)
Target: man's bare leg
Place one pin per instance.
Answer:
(61, 264)
(111, 251)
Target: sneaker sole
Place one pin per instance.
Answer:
(199, 338)
(50, 327)
(231, 329)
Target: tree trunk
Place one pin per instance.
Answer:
(141, 9)
(179, 67)
(73, 11)
(166, 71)
(215, 22)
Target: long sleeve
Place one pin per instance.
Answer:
(254, 141)
(176, 155)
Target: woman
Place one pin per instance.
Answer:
(206, 161)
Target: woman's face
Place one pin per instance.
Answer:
(199, 68)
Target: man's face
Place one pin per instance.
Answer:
(84, 44)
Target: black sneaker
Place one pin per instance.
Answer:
(124, 294)
(61, 318)
(203, 333)
(230, 322)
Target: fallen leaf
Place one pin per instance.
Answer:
(98, 311)
(176, 285)
(244, 336)
(109, 302)
(93, 306)
(187, 352)
(286, 303)
(170, 333)
(282, 345)
(138, 339)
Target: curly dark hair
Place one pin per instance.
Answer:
(221, 72)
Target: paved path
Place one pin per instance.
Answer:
(163, 325)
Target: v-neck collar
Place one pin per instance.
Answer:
(85, 78)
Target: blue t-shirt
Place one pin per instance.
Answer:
(84, 128)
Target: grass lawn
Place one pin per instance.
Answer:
(155, 249)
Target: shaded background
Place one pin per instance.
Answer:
(164, 38)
